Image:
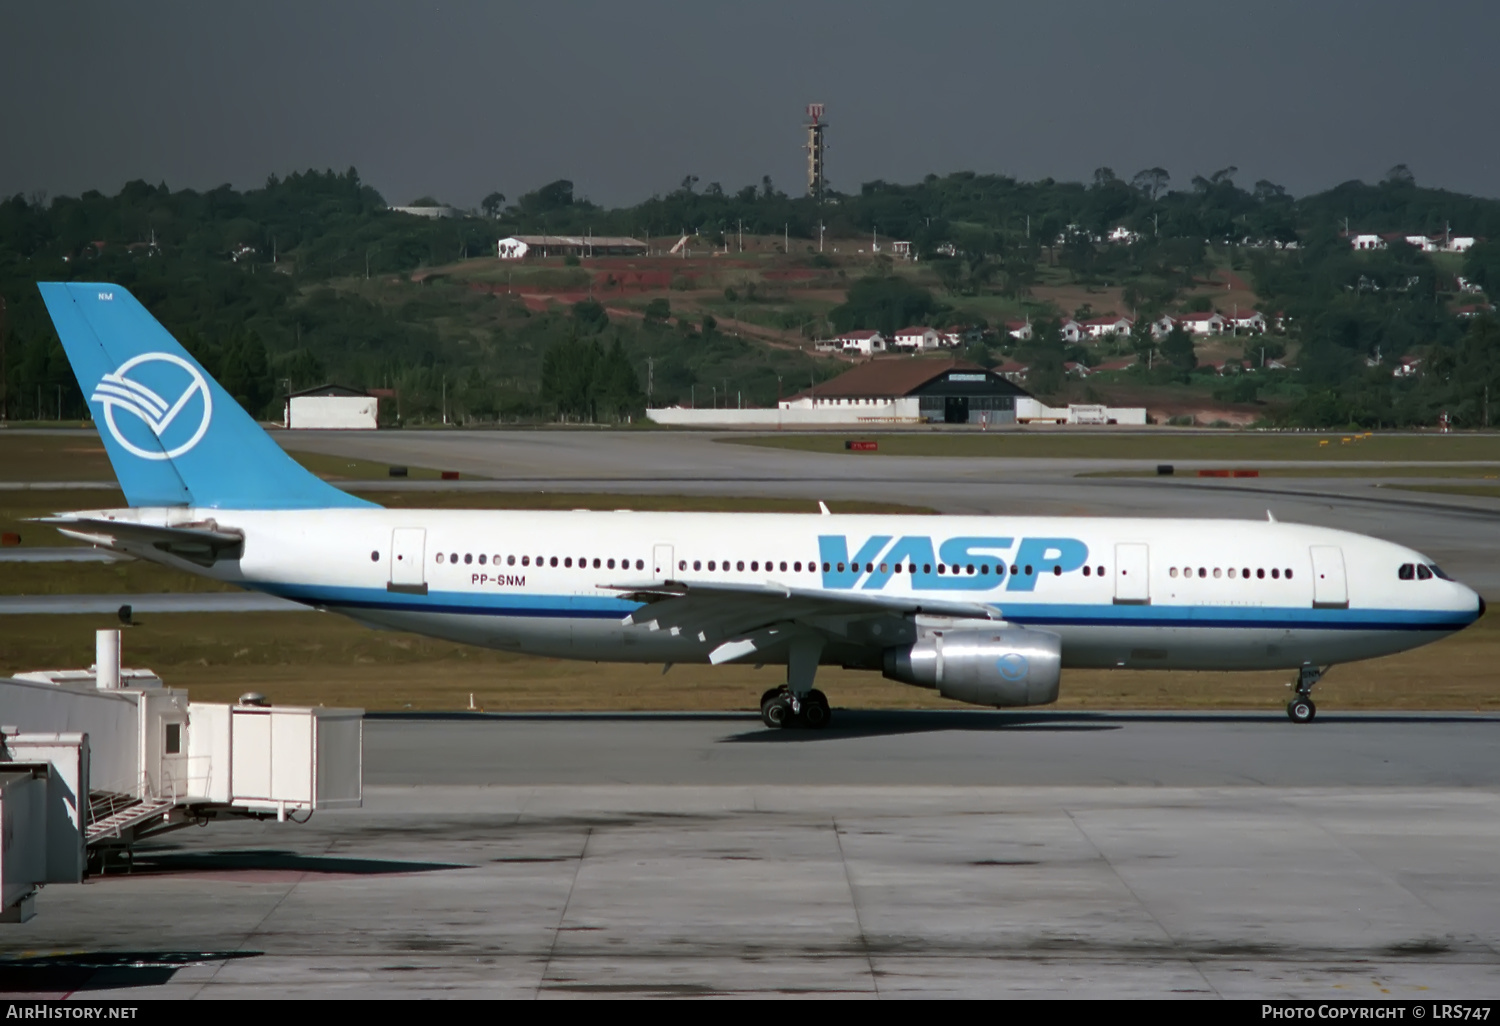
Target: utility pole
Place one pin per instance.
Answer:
(4, 380)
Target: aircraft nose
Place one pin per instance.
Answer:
(1482, 607)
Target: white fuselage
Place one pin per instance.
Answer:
(1139, 593)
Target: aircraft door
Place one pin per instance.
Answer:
(1132, 574)
(661, 563)
(408, 561)
(1330, 586)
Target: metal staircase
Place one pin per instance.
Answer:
(112, 813)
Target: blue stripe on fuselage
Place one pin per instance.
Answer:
(1038, 614)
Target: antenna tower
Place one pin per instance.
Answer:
(816, 181)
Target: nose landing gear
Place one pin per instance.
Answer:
(1301, 708)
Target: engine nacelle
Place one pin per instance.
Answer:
(1001, 666)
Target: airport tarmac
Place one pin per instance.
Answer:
(944, 853)
(898, 854)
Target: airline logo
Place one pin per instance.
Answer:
(165, 401)
(1012, 563)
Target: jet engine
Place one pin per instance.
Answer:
(999, 666)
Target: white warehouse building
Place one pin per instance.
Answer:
(331, 408)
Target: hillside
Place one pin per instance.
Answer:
(311, 278)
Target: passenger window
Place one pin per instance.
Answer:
(1028, 570)
(439, 557)
(825, 567)
(783, 566)
(1101, 571)
(1218, 572)
(468, 557)
(640, 564)
(525, 560)
(681, 564)
(710, 566)
(1172, 572)
(1423, 574)
(942, 568)
(511, 560)
(983, 568)
(1245, 573)
(568, 562)
(554, 560)
(596, 562)
(1260, 573)
(969, 569)
(1057, 570)
(754, 565)
(795, 566)
(453, 557)
(1203, 571)
(1276, 573)
(1287, 574)
(697, 565)
(1085, 571)
(1231, 573)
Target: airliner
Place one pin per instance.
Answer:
(985, 610)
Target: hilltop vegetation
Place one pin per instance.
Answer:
(312, 278)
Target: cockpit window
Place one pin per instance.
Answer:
(1437, 571)
(1423, 574)
(1407, 571)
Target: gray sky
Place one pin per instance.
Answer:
(455, 99)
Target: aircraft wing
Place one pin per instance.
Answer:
(749, 618)
(204, 544)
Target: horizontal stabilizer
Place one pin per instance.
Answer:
(204, 544)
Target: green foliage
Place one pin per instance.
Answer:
(583, 380)
(886, 304)
(1177, 349)
(659, 309)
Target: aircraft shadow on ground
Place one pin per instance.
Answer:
(102, 970)
(855, 723)
(273, 861)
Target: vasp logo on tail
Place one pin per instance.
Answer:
(158, 391)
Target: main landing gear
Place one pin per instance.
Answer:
(797, 702)
(779, 707)
(1301, 708)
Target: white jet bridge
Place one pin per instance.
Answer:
(93, 760)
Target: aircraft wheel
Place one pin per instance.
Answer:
(777, 712)
(769, 694)
(815, 710)
(1301, 710)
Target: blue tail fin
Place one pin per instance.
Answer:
(174, 436)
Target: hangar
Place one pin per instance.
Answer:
(937, 391)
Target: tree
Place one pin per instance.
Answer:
(1400, 175)
(492, 203)
(590, 316)
(659, 309)
(1152, 181)
(1177, 349)
(1143, 341)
